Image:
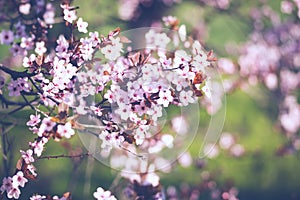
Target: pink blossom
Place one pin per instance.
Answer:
(6, 184)
(101, 194)
(69, 15)
(46, 126)
(19, 179)
(65, 130)
(6, 37)
(34, 120)
(37, 197)
(28, 61)
(14, 193)
(165, 97)
(40, 48)
(186, 97)
(38, 146)
(14, 88)
(82, 26)
(27, 156)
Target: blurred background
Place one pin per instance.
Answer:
(257, 167)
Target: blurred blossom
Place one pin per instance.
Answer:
(180, 125)
(25, 8)
(258, 58)
(287, 7)
(226, 65)
(237, 150)
(271, 81)
(185, 160)
(226, 141)
(211, 151)
(6, 37)
(289, 80)
(290, 115)
(222, 4)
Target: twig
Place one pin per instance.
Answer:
(64, 156)
(22, 106)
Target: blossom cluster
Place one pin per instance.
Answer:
(271, 57)
(129, 89)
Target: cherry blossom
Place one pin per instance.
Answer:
(65, 130)
(6, 184)
(14, 193)
(19, 180)
(130, 91)
(69, 15)
(27, 156)
(40, 48)
(82, 26)
(101, 194)
(6, 37)
(37, 197)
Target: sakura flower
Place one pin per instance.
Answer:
(6, 37)
(19, 180)
(27, 43)
(46, 126)
(123, 111)
(180, 125)
(287, 7)
(186, 97)
(226, 141)
(65, 130)
(49, 15)
(97, 110)
(6, 184)
(27, 156)
(69, 15)
(14, 193)
(34, 120)
(226, 65)
(38, 146)
(165, 97)
(32, 170)
(211, 151)
(94, 36)
(181, 58)
(167, 140)
(101, 194)
(185, 160)
(14, 88)
(169, 20)
(237, 150)
(23, 84)
(110, 52)
(151, 179)
(17, 50)
(82, 26)
(28, 61)
(40, 48)
(139, 136)
(25, 8)
(161, 40)
(37, 197)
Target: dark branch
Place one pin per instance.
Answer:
(15, 74)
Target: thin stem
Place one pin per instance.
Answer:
(64, 156)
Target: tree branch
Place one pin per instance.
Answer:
(15, 74)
